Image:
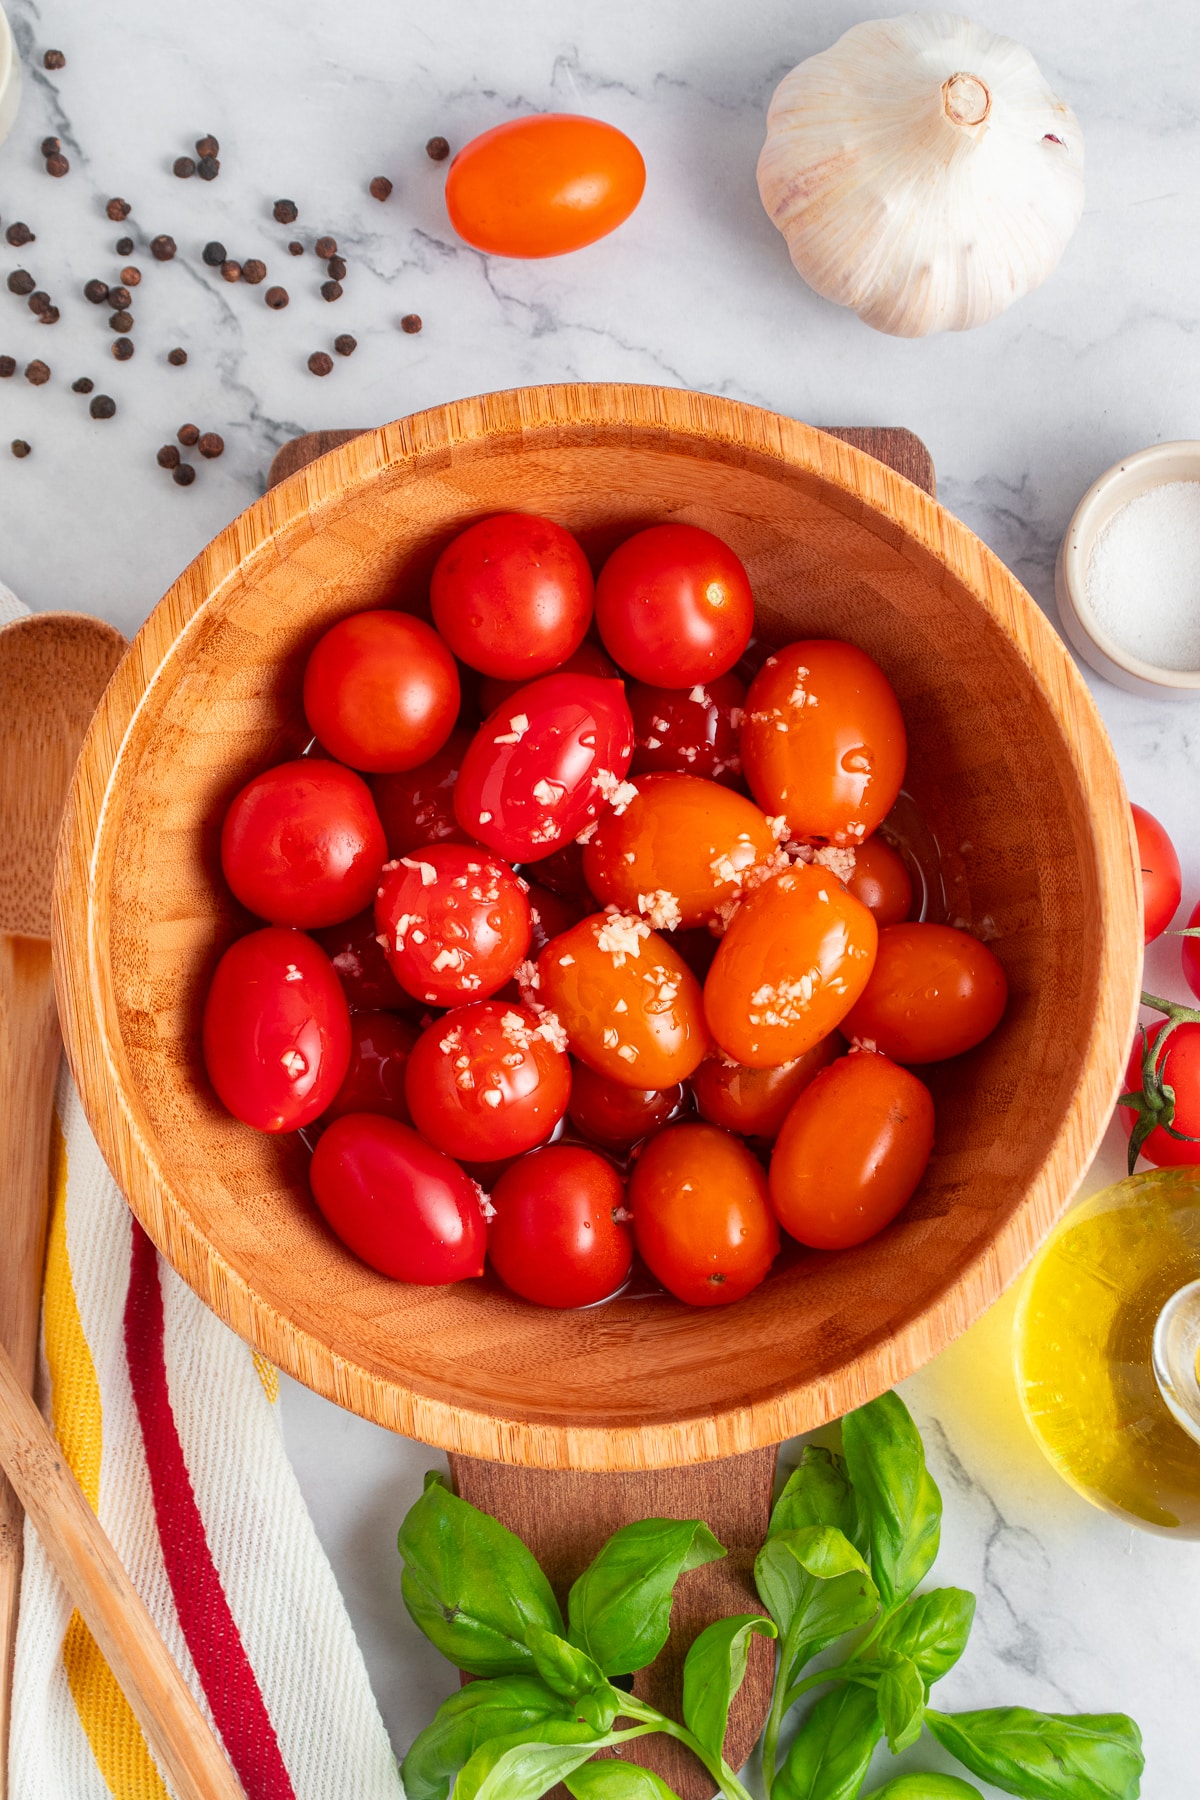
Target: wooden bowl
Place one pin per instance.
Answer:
(1012, 771)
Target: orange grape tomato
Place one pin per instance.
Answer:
(631, 1007)
(755, 1102)
(543, 185)
(702, 1219)
(609, 1113)
(851, 1152)
(823, 740)
(934, 992)
(794, 960)
(881, 881)
(678, 852)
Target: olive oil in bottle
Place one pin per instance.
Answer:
(1107, 1337)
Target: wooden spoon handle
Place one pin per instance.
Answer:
(176, 1730)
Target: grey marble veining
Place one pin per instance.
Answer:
(1076, 1610)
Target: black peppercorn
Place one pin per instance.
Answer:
(320, 363)
(286, 212)
(119, 298)
(84, 385)
(102, 407)
(8, 366)
(276, 298)
(168, 457)
(96, 292)
(123, 349)
(184, 167)
(254, 271)
(345, 345)
(331, 290)
(177, 358)
(124, 246)
(121, 321)
(325, 247)
(163, 248)
(18, 234)
(208, 168)
(337, 267)
(380, 188)
(58, 166)
(411, 322)
(211, 444)
(214, 254)
(295, 249)
(232, 271)
(49, 315)
(38, 301)
(50, 145)
(131, 277)
(21, 282)
(188, 434)
(20, 448)
(437, 149)
(37, 374)
(184, 475)
(54, 59)
(207, 146)
(118, 209)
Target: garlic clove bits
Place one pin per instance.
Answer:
(922, 173)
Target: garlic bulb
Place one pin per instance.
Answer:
(922, 173)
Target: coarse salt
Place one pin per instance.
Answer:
(1143, 576)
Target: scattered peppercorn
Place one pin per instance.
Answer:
(232, 271)
(208, 168)
(131, 277)
(57, 165)
(121, 321)
(207, 146)
(118, 209)
(345, 345)
(188, 434)
(337, 267)
(320, 363)
(38, 301)
(8, 366)
(411, 322)
(50, 145)
(184, 475)
(211, 444)
(124, 246)
(119, 298)
(163, 248)
(177, 358)
(331, 290)
(184, 167)
(84, 385)
(295, 249)
(37, 373)
(96, 292)
(254, 271)
(214, 254)
(325, 247)
(50, 315)
(168, 457)
(380, 188)
(102, 407)
(54, 59)
(437, 149)
(276, 298)
(18, 234)
(20, 448)
(123, 349)
(21, 282)
(286, 212)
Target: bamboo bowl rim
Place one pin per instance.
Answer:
(862, 488)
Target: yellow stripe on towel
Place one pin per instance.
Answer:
(106, 1716)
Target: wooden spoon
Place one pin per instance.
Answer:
(53, 669)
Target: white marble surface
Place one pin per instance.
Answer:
(1076, 1611)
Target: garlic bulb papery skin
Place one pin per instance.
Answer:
(922, 173)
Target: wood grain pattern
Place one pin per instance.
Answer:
(53, 669)
(1010, 765)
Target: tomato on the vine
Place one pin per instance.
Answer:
(610, 1113)
(935, 991)
(1191, 953)
(489, 1080)
(398, 1203)
(302, 844)
(380, 1045)
(455, 923)
(381, 691)
(701, 1216)
(688, 731)
(416, 806)
(1162, 879)
(755, 1102)
(674, 606)
(851, 1151)
(1180, 1071)
(881, 881)
(559, 1235)
(512, 595)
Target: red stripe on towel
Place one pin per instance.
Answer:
(225, 1671)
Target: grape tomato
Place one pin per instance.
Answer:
(688, 731)
(302, 844)
(674, 606)
(934, 992)
(512, 596)
(880, 879)
(617, 1116)
(416, 806)
(380, 1045)
(276, 1030)
(381, 691)
(702, 1220)
(489, 1080)
(559, 1235)
(455, 923)
(589, 659)
(755, 1102)
(361, 966)
(543, 185)
(398, 1203)
(550, 914)
(1162, 879)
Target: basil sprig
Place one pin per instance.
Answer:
(850, 1539)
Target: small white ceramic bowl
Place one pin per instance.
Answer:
(1132, 476)
(10, 79)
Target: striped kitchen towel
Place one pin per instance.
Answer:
(171, 1424)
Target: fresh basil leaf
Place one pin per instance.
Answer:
(1046, 1756)
(713, 1672)
(815, 1586)
(926, 1787)
(932, 1629)
(574, 1675)
(480, 1711)
(818, 1492)
(471, 1586)
(900, 1696)
(899, 1506)
(620, 1607)
(607, 1779)
(831, 1753)
(524, 1768)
